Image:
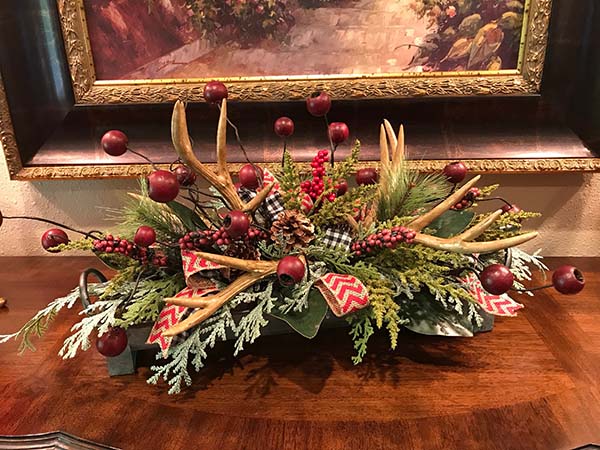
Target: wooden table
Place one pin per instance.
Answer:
(533, 383)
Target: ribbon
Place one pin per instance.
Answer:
(195, 270)
(344, 294)
(498, 305)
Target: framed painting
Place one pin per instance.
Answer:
(156, 51)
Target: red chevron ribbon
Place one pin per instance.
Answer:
(198, 286)
(344, 294)
(498, 305)
(268, 178)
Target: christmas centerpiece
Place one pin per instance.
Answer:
(295, 248)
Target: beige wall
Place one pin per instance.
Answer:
(570, 204)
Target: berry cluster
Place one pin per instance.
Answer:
(388, 238)
(468, 199)
(204, 239)
(145, 255)
(315, 187)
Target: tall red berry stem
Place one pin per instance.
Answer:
(331, 146)
(89, 234)
(144, 157)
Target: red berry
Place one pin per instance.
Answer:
(290, 270)
(568, 280)
(114, 142)
(53, 238)
(144, 236)
(366, 176)
(215, 91)
(511, 209)
(163, 186)
(236, 224)
(185, 176)
(338, 132)
(112, 343)
(250, 176)
(496, 279)
(341, 187)
(284, 127)
(455, 172)
(318, 104)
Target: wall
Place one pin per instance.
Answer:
(569, 202)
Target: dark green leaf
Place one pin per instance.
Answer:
(451, 223)
(308, 321)
(188, 217)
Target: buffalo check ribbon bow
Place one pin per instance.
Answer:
(195, 270)
(344, 294)
(497, 305)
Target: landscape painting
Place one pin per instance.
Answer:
(195, 39)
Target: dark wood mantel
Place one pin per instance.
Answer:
(533, 383)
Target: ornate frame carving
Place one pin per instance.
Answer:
(523, 81)
(8, 140)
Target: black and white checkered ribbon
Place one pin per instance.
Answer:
(338, 237)
(270, 208)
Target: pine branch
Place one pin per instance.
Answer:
(336, 212)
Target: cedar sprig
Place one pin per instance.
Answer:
(337, 211)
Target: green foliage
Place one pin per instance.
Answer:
(361, 330)
(289, 180)
(343, 169)
(336, 212)
(507, 225)
(80, 244)
(385, 309)
(450, 223)
(305, 321)
(38, 325)
(248, 329)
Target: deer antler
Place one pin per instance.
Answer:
(221, 179)
(255, 271)
(460, 243)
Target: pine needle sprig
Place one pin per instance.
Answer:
(343, 169)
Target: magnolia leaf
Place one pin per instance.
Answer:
(308, 321)
(486, 43)
(451, 223)
(443, 327)
(427, 316)
(189, 218)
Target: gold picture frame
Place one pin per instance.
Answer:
(525, 80)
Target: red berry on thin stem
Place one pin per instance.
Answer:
(112, 343)
(214, 92)
(511, 209)
(318, 104)
(568, 280)
(145, 236)
(185, 176)
(366, 176)
(497, 279)
(341, 188)
(290, 270)
(163, 186)
(284, 127)
(455, 172)
(236, 223)
(338, 132)
(250, 176)
(53, 238)
(114, 142)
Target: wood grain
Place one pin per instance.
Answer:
(532, 383)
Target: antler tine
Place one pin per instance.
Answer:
(391, 135)
(222, 169)
(398, 154)
(422, 221)
(384, 151)
(236, 263)
(477, 230)
(212, 303)
(458, 245)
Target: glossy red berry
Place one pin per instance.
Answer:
(366, 176)
(455, 172)
(568, 280)
(250, 176)
(215, 91)
(338, 132)
(53, 238)
(236, 224)
(114, 142)
(163, 186)
(511, 209)
(290, 270)
(185, 176)
(112, 343)
(145, 236)
(284, 127)
(341, 188)
(496, 279)
(318, 104)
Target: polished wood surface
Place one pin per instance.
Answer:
(532, 383)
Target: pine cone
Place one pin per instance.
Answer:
(295, 229)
